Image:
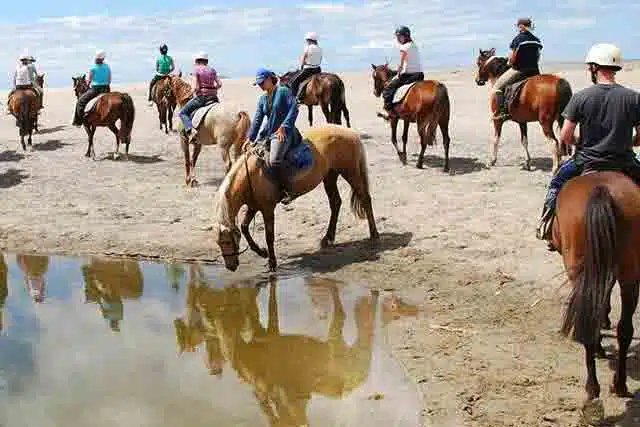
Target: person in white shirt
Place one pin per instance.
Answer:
(25, 77)
(309, 64)
(409, 70)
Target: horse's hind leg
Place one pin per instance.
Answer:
(116, 132)
(345, 111)
(405, 137)
(547, 129)
(331, 188)
(427, 134)
(310, 108)
(524, 140)
(629, 297)
(91, 130)
(493, 146)
(446, 140)
(244, 226)
(197, 147)
(187, 159)
(357, 179)
(326, 112)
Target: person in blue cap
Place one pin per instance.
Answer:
(278, 105)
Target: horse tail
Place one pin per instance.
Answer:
(127, 116)
(25, 114)
(597, 273)
(360, 196)
(337, 100)
(442, 103)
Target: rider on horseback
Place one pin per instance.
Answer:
(309, 64)
(164, 66)
(279, 107)
(205, 91)
(607, 113)
(524, 58)
(25, 77)
(409, 70)
(99, 82)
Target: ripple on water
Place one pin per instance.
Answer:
(103, 342)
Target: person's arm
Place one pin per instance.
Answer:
(256, 123)
(90, 78)
(573, 115)
(403, 62)
(289, 121)
(514, 49)
(108, 75)
(15, 77)
(196, 77)
(303, 58)
(218, 82)
(567, 134)
(172, 64)
(157, 65)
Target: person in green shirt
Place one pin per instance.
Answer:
(164, 66)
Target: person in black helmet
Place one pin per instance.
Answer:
(409, 69)
(164, 66)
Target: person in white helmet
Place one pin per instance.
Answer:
(310, 62)
(207, 83)
(25, 76)
(607, 113)
(99, 82)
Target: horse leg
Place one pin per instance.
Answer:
(427, 135)
(310, 108)
(547, 129)
(269, 232)
(629, 297)
(393, 122)
(405, 137)
(91, 130)
(326, 112)
(331, 188)
(345, 111)
(446, 140)
(187, 159)
(197, 147)
(524, 140)
(248, 217)
(114, 129)
(493, 146)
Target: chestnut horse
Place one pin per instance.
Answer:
(542, 99)
(24, 105)
(223, 124)
(426, 104)
(596, 231)
(326, 90)
(165, 101)
(110, 108)
(337, 151)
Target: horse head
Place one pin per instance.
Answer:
(488, 66)
(80, 85)
(40, 79)
(228, 239)
(381, 75)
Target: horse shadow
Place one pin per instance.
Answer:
(365, 136)
(457, 165)
(136, 158)
(355, 252)
(12, 177)
(11, 156)
(542, 163)
(50, 145)
(51, 129)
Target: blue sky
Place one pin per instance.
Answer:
(63, 35)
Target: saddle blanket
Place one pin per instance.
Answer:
(401, 92)
(512, 94)
(303, 85)
(198, 115)
(89, 107)
(297, 159)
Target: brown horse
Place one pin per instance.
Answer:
(24, 105)
(542, 99)
(596, 231)
(110, 108)
(337, 151)
(165, 101)
(426, 104)
(326, 90)
(4, 287)
(223, 124)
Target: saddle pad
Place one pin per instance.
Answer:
(92, 103)
(402, 92)
(297, 159)
(512, 93)
(303, 85)
(200, 114)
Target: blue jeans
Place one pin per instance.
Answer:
(569, 169)
(191, 106)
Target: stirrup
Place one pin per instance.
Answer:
(543, 230)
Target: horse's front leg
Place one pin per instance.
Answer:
(187, 158)
(405, 136)
(493, 146)
(310, 108)
(269, 232)
(91, 130)
(248, 217)
(114, 129)
(524, 140)
(24, 146)
(197, 147)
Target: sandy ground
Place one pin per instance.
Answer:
(461, 245)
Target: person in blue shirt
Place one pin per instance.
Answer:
(99, 82)
(279, 107)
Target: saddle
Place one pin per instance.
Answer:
(297, 158)
(197, 117)
(512, 94)
(401, 92)
(303, 86)
(91, 104)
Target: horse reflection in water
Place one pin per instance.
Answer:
(107, 282)
(284, 369)
(34, 268)
(4, 288)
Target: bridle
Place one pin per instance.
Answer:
(482, 67)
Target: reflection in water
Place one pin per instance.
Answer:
(34, 268)
(4, 288)
(278, 352)
(107, 282)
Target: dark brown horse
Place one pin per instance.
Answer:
(110, 108)
(326, 90)
(426, 104)
(542, 99)
(165, 101)
(24, 105)
(596, 231)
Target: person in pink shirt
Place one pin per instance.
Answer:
(207, 84)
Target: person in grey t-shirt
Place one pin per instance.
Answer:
(607, 113)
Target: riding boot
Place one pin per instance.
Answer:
(283, 180)
(544, 227)
(501, 110)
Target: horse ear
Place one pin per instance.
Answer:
(492, 51)
(84, 77)
(373, 66)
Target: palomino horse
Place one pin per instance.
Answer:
(542, 99)
(326, 90)
(337, 151)
(284, 370)
(223, 125)
(596, 231)
(111, 107)
(34, 268)
(108, 282)
(24, 105)
(426, 104)
(165, 101)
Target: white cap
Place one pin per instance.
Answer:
(201, 55)
(311, 36)
(100, 54)
(605, 54)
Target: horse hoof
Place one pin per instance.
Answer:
(605, 324)
(592, 413)
(620, 391)
(272, 265)
(193, 183)
(325, 243)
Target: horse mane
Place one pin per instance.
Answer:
(182, 90)
(496, 65)
(223, 215)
